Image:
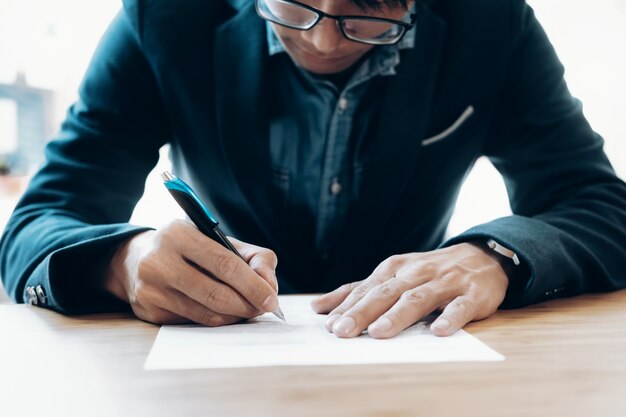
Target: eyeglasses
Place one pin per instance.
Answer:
(363, 29)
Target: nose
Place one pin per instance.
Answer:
(325, 36)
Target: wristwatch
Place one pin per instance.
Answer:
(506, 252)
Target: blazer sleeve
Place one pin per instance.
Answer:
(569, 222)
(76, 208)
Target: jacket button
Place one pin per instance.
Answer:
(41, 294)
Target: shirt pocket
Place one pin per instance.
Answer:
(454, 127)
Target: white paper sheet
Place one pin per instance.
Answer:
(303, 340)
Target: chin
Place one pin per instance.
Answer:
(318, 66)
(324, 69)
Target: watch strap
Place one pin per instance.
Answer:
(504, 251)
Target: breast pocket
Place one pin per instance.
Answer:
(454, 127)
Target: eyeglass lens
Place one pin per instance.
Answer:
(298, 17)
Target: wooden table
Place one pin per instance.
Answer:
(564, 358)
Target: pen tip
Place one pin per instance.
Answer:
(279, 313)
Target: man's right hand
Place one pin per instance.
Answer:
(176, 274)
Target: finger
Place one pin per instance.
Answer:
(211, 294)
(157, 315)
(331, 300)
(413, 305)
(376, 302)
(457, 314)
(230, 269)
(344, 297)
(386, 270)
(262, 261)
(359, 291)
(184, 307)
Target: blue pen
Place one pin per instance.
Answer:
(191, 204)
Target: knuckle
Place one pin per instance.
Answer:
(270, 255)
(450, 278)
(348, 288)
(477, 292)
(386, 290)
(154, 316)
(146, 264)
(208, 318)
(392, 263)
(220, 320)
(214, 298)
(360, 291)
(226, 264)
(177, 225)
(428, 269)
(170, 234)
(142, 294)
(416, 296)
(170, 229)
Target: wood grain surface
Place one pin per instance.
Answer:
(564, 358)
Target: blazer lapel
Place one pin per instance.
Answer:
(240, 65)
(392, 150)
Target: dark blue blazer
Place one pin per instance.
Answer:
(193, 73)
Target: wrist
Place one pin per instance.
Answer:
(506, 263)
(115, 274)
(118, 271)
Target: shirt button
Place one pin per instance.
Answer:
(335, 188)
(343, 103)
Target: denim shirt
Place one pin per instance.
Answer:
(315, 133)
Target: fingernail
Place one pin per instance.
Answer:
(331, 320)
(383, 324)
(270, 303)
(441, 324)
(344, 326)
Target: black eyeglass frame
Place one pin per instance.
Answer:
(406, 26)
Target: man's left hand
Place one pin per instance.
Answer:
(466, 281)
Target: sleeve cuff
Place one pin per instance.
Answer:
(70, 277)
(535, 279)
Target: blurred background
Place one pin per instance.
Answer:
(45, 47)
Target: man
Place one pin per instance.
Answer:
(337, 133)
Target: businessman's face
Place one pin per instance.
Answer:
(323, 49)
